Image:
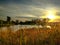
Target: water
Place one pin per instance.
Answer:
(17, 27)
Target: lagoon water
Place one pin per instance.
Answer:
(17, 27)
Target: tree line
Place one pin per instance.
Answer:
(17, 22)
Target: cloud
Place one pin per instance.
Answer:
(16, 10)
(27, 8)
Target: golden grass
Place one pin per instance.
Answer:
(31, 36)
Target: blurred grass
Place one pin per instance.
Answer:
(31, 36)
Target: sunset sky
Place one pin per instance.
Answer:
(27, 9)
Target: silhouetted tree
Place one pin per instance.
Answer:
(42, 22)
(8, 19)
(17, 22)
(38, 22)
(45, 21)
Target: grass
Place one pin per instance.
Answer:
(31, 36)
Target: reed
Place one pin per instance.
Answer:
(30, 36)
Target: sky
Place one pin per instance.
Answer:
(18, 9)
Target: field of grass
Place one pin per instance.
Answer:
(31, 36)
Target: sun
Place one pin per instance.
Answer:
(51, 14)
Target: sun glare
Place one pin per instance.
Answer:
(51, 14)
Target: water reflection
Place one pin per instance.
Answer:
(17, 27)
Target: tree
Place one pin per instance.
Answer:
(8, 19)
(17, 22)
(42, 22)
